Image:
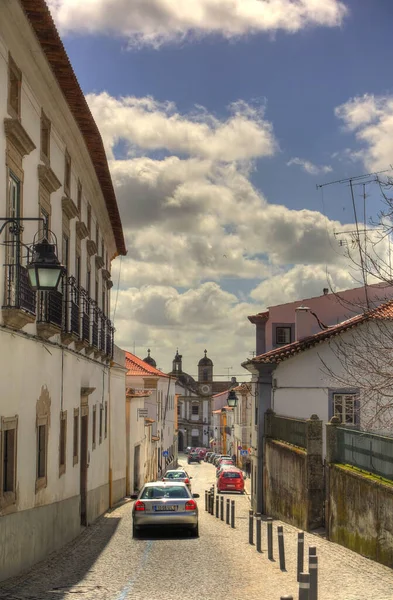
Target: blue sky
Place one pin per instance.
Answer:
(289, 87)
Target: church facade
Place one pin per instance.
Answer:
(194, 402)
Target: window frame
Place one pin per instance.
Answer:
(355, 393)
(67, 173)
(94, 427)
(193, 413)
(75, 438)
(100, 424)
(79, 199)
(106, 420)
(45, 126)
(343, 414)
(42, 480)
(14, 71)
(63, 443)
(8, 497)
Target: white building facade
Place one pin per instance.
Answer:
(56, 348)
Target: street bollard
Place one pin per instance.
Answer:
(212, 501)
(227, 512)
(217, 506)
(270, 538)
(233, 514)
(251, 527)
(222, 508)
(300, 553)
(313, 570)
(258, 532)
(304, 586)
(312, 551)
(281, 550)
(206, 499)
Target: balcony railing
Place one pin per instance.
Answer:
(50, 308)
(18, 293)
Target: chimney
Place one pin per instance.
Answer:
(305, 323)
(325, 291)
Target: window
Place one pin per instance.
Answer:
(8, 461)
(103, 297)
(44, 224)
(45, 137)
(344, 407)
(96, 288)
(106, 419)
(205, 375)
(102, 249)
(178, 410)
(89, 219)
(14, 88)
(14, 210)
(65, 251)
(88, 279)
(78, 270)
(63, 442)
(101, 422)
(79, 199)
(283, 335)
(42, 440)
(94, 426)
(67, 173)
(97, 235)
(195, 409)
(75, 451)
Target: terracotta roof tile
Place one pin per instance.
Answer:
(137, 366)
(131, 393)
(262, 316)
(382, 312)
(38, 14)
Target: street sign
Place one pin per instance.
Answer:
(240, 447)
(244, 452)
(142, 412)
(165, 453)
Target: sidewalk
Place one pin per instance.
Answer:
(343, 574)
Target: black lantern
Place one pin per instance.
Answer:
(232, 399)
(45, 269)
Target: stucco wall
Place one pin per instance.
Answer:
(361, 513)
(285, 483)
(32, 534)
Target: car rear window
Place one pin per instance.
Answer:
(231, 475)
(175, 475)
(157, 492)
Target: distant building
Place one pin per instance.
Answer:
(194, 408)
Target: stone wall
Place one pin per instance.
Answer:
(360, 515)
(293, 476)
(285, 483)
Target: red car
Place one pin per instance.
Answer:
(230, 480)
(201, 452)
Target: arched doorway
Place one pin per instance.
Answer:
(180, 441)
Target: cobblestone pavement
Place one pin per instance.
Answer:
(105, 563)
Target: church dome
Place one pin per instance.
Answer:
(149, 360)
(205, 361)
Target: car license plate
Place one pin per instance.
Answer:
(165, 508)
(231, 485)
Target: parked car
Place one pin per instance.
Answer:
(178, 475)
(224, 461)
(222, 468)
(230, 480)
(194, 457)
(207, 456)
(212, 457)
(187, 450)
(164, 504)
(202, 452)
(219, 457)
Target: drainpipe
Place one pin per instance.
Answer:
(109, 433)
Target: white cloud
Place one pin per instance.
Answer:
(302, 281)
(310, 167)
(155, 22)
(370, 118)
(145, 124)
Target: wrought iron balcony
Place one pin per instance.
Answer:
(18, 293)
(50, 308)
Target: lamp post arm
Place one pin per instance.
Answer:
(16, 221)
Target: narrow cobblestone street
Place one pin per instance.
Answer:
(105, 563)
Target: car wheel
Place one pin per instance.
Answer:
(195, 531)
(135, 531)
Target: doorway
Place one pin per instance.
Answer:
(137, 452)
(180, 441)
(83, 473)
